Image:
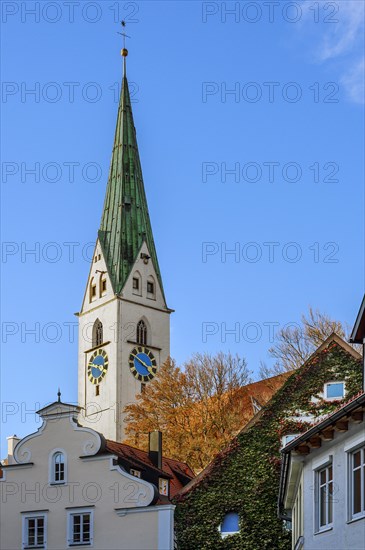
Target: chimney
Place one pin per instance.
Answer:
(12, 441)
(155, 448)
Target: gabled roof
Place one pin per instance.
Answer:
(179, 473)
(358, 332)
(215, 465)
(125, 223)
(258, 393)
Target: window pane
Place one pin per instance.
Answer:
(322, 505)
(323, 477)
(357, 459)
(76, 528)
(357, 492)
(230, 523)
(330, 501)
(31, 532)
(86, 528)
(335, 390)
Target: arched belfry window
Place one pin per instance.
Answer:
(142, 333)
(97, 333)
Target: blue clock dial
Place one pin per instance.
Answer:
(142, 364)
(98, 366)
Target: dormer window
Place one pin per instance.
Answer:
(334, 390)
(58, 467)
(92, 289)
(135, 473)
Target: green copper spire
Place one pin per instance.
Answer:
(125, 222)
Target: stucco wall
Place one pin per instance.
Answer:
(123, 519)
(344, 534)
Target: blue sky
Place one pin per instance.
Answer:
(291, 130)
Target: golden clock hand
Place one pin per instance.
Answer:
(149, 368)
(99, 367)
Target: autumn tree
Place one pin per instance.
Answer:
(295, 343)
(197, 408)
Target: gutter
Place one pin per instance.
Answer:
(282, 489)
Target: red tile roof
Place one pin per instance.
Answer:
(179, 473)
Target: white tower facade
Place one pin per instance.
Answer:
(124, 322)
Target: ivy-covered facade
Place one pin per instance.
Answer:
(244, 478)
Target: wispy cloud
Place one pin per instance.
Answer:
(353, 81)
(342, 37)
(342, 42)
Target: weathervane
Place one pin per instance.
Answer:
(124, 51)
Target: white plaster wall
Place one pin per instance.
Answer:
(119, 316)
(344, 534)
(91, 482)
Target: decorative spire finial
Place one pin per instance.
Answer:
(59, 395)
(124, 51)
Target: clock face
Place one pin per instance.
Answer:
(97, 366)
(142, 364)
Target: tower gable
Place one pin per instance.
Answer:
(99, 288)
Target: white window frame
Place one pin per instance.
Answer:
(33, 515)
(138, 276)
(283, 439)
(329, 384)
(317, 498)
(229, 533)
(354, 516)
(135, 473)
(70, 534)
(151, 295)
(52, 470)
(297, 516)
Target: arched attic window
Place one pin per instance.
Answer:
(58, 467)
(151, 288)
(137, 283)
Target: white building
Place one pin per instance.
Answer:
(64, 487)
(322, 488)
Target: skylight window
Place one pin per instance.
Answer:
(334, 390)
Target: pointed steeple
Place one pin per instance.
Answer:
(125, 222)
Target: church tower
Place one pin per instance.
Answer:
(124, 322)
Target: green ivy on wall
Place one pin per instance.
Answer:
(244, 478)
